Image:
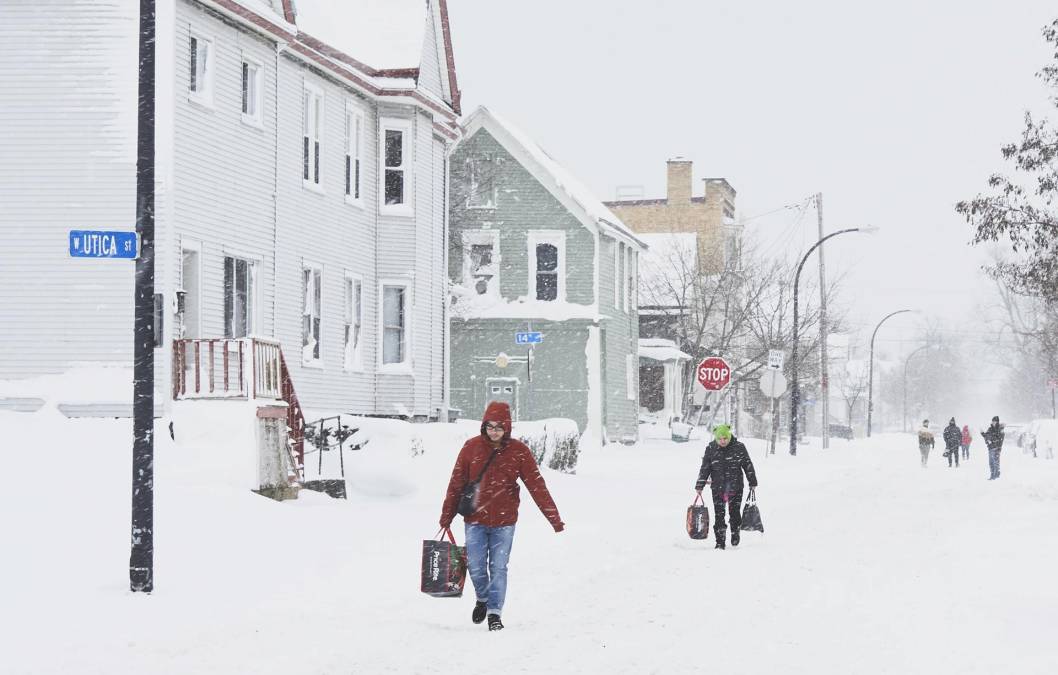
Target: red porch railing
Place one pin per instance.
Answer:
(224, 368)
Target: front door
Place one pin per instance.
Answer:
(503, 389)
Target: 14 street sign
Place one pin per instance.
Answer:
(528, 338)
(103, 244)
(713, 373)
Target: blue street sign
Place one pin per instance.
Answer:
(100, 244)
(528, 338)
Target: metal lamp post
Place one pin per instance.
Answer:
(795, 392)
(906, 362)
(870, 368)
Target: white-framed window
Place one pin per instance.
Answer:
(251, 91)
(240, 296)
(547, 265)
(393, 328)
(311, 310)
(630, 376)
(354, 322)
(201, 63)
(395, 170)
(617, 273)
(481, 261)
(630, 277)
(311, 136)
(354, 153)
(481, 181)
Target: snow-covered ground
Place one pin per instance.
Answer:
(869, 564)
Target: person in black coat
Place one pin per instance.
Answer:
(994, 440)
(724, 462)
(952, 441)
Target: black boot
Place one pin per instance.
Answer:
(735, 537)
(494, 622)
(479, 612)
(721, 535)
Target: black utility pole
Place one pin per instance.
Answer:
(795, 392)
(141, 560)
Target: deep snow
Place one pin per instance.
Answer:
(869, 564)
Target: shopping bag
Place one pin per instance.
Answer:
(698, 519)
(444, 566)
(751, 514)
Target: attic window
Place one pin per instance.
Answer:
(481, 183)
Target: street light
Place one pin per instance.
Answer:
(870, 369)
(795, 392)
(906, 362)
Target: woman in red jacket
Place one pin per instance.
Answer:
(966, 439)
(496, 461)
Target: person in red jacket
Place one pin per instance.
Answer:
(966, 440)
(496, 461)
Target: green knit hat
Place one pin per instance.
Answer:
(721, 431)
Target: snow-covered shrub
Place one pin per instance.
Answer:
(554, 442)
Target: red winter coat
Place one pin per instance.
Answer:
(966, 437)
(498, 497)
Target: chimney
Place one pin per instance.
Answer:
(679, 181)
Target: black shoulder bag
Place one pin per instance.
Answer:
(468, 499)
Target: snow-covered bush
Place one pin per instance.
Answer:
(554, 442)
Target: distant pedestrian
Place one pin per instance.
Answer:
(952, 441)
(724, 462)
(925, 441)
(496, 461)
(994, 440)
(966, 440)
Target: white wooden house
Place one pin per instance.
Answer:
(300, 195)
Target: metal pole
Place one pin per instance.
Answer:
(870, 369)
(141, 559)
(824, 379)
(795, 393)
(906, 362)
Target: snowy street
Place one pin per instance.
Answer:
(869, 564)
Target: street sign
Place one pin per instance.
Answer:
(772, 384)
(528, 338)
(103, 244)
(713, 373)
(775, 359)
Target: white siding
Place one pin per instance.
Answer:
(431, 68)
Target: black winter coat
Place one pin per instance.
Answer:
(952, 437)
(994, 437)
(725, 466)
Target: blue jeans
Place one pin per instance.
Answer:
(488, 550)
(993, 462)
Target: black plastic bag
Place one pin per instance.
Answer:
(698, 519)
(444, 566)
(751, 514)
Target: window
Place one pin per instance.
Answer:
(630, 376)
(481, 263)
(354, 134)
(630, 277)
(354, 321)
(394, 317)
(240, 297)
(311, 287)
(312, 111)
(481, 183)
(200, 69)
(547, 266)
(251, 92)
(396, 166)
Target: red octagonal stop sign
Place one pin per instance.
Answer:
(714, 374)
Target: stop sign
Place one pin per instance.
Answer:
(714, 374)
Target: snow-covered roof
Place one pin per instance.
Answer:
(563, 184)
(383, 34)
(668, 269)
(657, 349)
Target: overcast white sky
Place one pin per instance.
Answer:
(894, 111)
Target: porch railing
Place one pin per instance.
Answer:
(227, 368)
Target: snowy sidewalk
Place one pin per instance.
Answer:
(869, 564)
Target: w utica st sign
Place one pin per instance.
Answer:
(713, 373)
